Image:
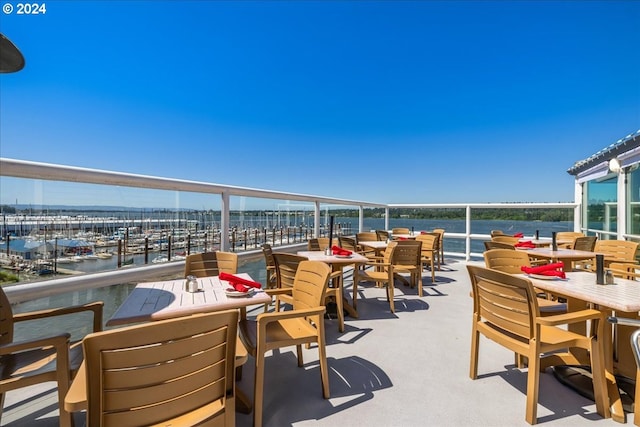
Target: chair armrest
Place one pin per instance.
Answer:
(572, 317)
(96, 307)
(278, 291)
(76, 398)
(379, 264)
(266, 318)
(52, 341)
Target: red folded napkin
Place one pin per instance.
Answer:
(337, 250)
(402, 238)
(239, 287)
(554, 269)
(518, 235)
(526, 244)
(238, 283)
(424, 232)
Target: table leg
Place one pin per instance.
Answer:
(615, 402)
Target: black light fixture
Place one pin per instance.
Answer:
(11, 59)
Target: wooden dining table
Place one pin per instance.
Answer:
(378, 246)
(168, 299)
(338, 263)
(623, 299)
(565, 256)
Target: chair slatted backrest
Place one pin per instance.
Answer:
(407, 253)
(366, 236)
(318, 243)
(506, 260)
(400, 230)
(429, 244)
(495, 233)
(6, 320)
(227, 262)
(505, 239)
(568, 235)
(585, 243)
(165, 370)
(617, 250)
(488, 245)
(286, 268)
(382, 234)
(503, 301)
(211, 264)
(310, 284)
(270, 265)
(348, 243)
(201, 265)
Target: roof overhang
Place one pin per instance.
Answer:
(626, 150)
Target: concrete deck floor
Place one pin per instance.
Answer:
(410, 368)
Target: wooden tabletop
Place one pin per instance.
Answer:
(167, 299)
(624, 295)
(333, 259)
(375, 244)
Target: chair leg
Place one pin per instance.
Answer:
(340, 308)
(258, 388)
(354, 289)
(473, 365)
(299, 353)
(390, 291)
(636, 412)
(533, 383)
(322, 357)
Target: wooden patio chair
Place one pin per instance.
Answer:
(626, 270)
(210, 264)
(302, 325)
(571, 236)
(407, 258)
(286, 265)
(270, 265)
(616, 251)
(490, 244)
(440, 232)
(318, 243)
(382, 274)
(505, 310)
(366, 236)
(495, 233)
(428, 252)
(583, 243)
(49, 358)
(382, 234)
(227, 262)
(170, 372)
(400, 230)
(510, 261)
(510, 240)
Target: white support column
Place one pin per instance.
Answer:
(360, 219)
(316, 219)
(622, 203)
(468, 234)
(386, 218)
(224, 221)
(578, 215)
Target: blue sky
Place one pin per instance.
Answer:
(392, 102)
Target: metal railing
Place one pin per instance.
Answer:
(61, 173)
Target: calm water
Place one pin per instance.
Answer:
(113, 296)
